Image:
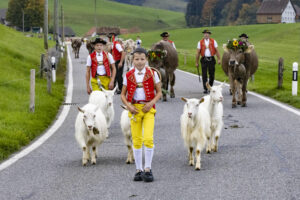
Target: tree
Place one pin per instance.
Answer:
(35, 12)
(15, 12)
(194, 12)
(247, 15)
(207, 14)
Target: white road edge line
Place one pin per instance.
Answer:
(277, 103)
(52, 129)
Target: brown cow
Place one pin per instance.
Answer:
(76, 44)
(239, 65)
(89, 46)
(168, 65)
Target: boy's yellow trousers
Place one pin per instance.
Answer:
(142, 127)
(104, 82)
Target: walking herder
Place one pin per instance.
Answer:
(165, 37)
(101, 66)
(119, 56)
(207, 48)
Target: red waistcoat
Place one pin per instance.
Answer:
(95, 63)
(170, 41)
(211, 47)
(148, 84)
(116, 54)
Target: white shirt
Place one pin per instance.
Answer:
(207, 51)
(100, 69)
(139, 94)
(118, 47)
(173, 44)
(138, 43)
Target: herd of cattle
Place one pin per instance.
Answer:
(201, 120)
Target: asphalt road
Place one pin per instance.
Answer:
(258, 156)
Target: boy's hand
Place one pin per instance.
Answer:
(132, 109)
(111, 85)
(89, 90)
(147, 107)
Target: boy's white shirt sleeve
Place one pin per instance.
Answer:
(157, 80)
(125, 80)
(89, 61)
(111, 59)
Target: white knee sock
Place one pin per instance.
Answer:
(138, 157)
(148, 157)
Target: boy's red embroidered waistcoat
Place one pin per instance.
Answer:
(95, 63)
(148, 84)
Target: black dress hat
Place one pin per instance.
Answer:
(206, 31)
(165, 34)
(140, 50)
(99, 40)
(244, 35)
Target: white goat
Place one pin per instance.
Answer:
(126, 130)
(195, 128)
(213, 102)
(104, 99)
(90, 131)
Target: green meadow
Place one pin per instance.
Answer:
(18, 126)
(79, 15)
(271, 42)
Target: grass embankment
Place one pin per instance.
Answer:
(18, 126)
(271, 42)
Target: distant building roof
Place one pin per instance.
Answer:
(103, 31)
(68, 31)
(272, 7)
(297, 8)
(3, 13)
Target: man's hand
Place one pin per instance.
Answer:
(120, 64)
(147, 107)
(111, 85)
(89, 90)
(219, 62)
(197, 65)
(132, 109)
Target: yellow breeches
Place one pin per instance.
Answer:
(104, 82)
(142, 127)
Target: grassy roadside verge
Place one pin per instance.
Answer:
(17, 125)
(271, 42)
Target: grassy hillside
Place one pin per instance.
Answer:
(17, 125)
(271, 42)
(80, 15)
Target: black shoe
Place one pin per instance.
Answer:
(205, 92)
(118, 92)
(148, 176)
(138, 176)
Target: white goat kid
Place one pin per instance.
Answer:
(213, 102)
(104, 99)
(126, 130)
(195, 128)
(90, 131)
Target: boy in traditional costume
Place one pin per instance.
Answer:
(101, 66)
(141, 90)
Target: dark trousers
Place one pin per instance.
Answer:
(208, 64)
(119, 75)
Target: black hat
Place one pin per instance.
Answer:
(99, 40)
(206, 31)
(140, 50)
(165, 34)
(244, 35)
